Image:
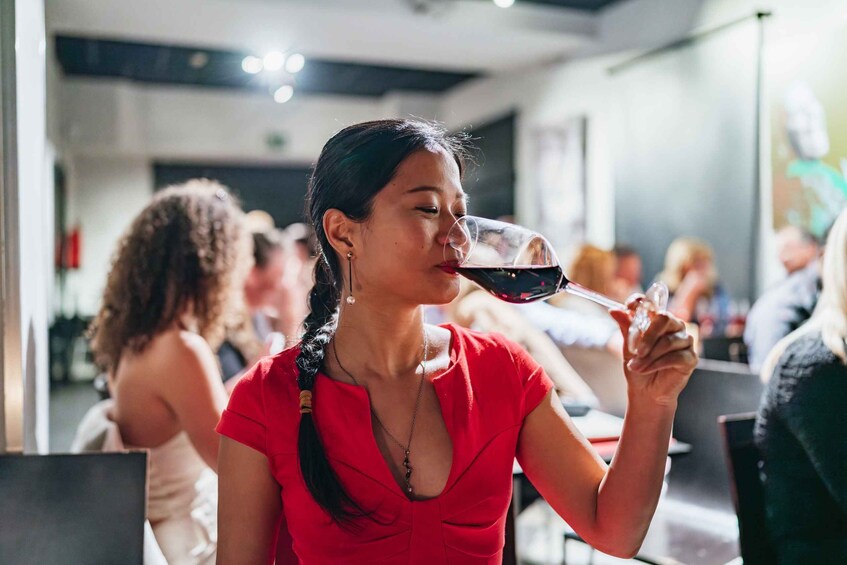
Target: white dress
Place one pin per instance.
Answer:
(182, 496)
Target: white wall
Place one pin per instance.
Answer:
(114, 117)
(28, 248)
(108, 193)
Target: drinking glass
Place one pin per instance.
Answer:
(519, 265)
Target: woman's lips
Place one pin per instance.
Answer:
(449, 268)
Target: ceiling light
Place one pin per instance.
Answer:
(252, 65)
(295, 63)
(283, 94)
(273, 61)
(504, 3)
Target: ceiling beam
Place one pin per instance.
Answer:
(466, 34)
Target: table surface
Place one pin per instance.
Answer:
(603, 431)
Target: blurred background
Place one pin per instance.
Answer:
(603, 122)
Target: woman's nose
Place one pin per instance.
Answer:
(446, 224)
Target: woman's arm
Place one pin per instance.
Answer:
(190, 384)
(249, 506)
(684, 301)
(611, 508)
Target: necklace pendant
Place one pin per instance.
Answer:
(408, 476)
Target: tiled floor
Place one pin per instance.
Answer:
(68, 404)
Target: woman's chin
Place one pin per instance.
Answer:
(451, 295)
(443, 293)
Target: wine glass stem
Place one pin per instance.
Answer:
(601, 299)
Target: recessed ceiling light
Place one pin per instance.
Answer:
(283, 94)
(295, 63)
(504, 3)
(252, 65)
(274, 61)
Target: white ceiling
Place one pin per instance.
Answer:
(457, 34)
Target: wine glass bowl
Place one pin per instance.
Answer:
(511, 262)
(518, 265)
(480, 242)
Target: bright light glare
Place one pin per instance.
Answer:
(274, 61)
(252, 65)
(295, 63)
(283, 94)
(504, 3)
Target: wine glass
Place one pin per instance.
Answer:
(518, 265)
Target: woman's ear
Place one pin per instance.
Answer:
(339, 230)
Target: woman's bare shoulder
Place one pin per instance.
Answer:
(172, 352)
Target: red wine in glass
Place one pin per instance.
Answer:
(517, 285)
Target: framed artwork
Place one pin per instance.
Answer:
(560, 191)
(808, 121)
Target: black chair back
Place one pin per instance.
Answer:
(715, 388)
(87, 508)
(743, 461)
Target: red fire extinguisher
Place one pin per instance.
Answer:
(75, 247)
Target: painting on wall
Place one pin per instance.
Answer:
(560, 191)
(808, 130)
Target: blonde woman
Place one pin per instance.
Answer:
(801, 427)
(593, 268)
(692, 280)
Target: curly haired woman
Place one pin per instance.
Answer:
(175, 279)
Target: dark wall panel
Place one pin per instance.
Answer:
(685, 155)
(280, 191)
(490, 178)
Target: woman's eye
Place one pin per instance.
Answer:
(428, 209)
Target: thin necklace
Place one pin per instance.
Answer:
(406, 448)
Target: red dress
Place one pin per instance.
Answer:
(486, 392)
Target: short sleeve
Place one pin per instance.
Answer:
(244, 417)
(534, 381)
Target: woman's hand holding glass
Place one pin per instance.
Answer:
(658, 360)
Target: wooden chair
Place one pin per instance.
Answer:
(85, 508)
(743, 461)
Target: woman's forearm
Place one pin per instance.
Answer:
(629, 492)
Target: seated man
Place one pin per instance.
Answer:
(797, 248)
(785, 307)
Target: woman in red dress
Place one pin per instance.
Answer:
(381, 439)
